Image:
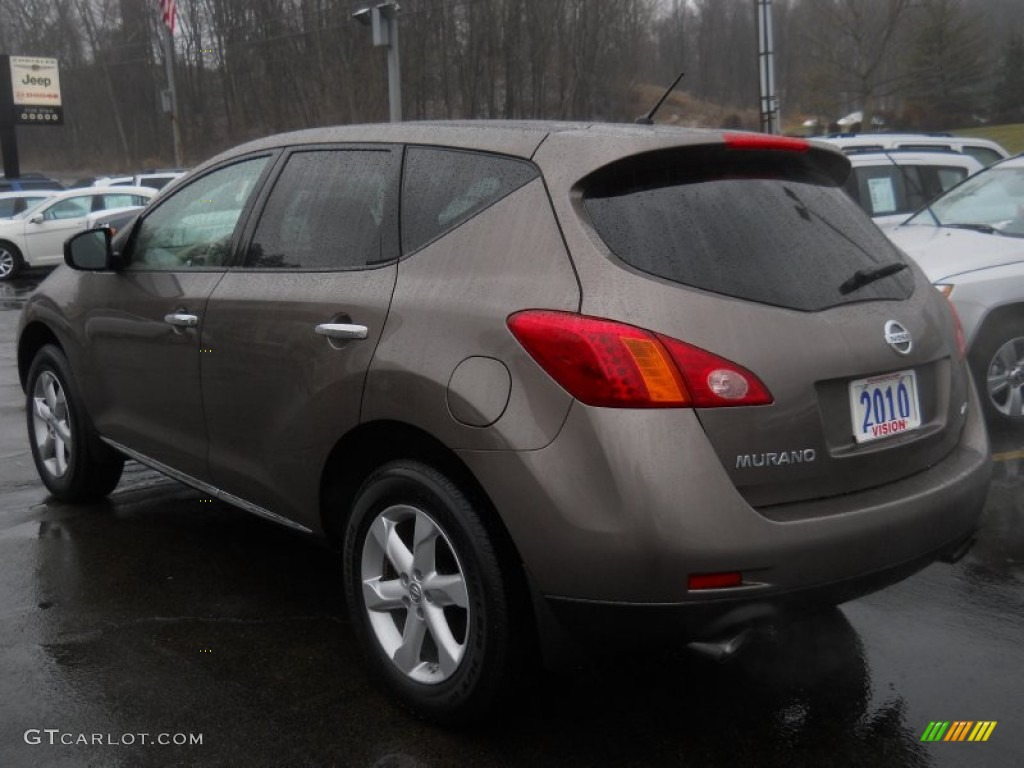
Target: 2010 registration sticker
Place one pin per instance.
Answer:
(883, 406)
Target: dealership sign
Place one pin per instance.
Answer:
(35, 86)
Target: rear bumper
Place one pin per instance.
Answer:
(624, 505)
(596, 624)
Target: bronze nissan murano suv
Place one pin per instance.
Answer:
(584, 383)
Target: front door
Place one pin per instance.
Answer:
(289, 335)
(145, 382)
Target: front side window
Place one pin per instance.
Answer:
(72, 208)
(193, 227)
(329, 209)
(442, 188)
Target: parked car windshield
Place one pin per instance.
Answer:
(992, 201)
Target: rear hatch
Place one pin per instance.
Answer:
(753, 252)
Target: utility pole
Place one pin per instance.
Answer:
(771, 119)
(170, 97)
(383, 19)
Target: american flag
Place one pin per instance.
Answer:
(170, 13)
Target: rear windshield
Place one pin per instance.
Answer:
(744, 225)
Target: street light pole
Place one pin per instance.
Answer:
(383, 20)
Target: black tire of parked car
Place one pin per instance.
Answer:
(11, 261)
(91, 469)
(488, 663)
(983, 358)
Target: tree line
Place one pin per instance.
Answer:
(247, 68)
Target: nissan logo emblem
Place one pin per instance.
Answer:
(898, 337)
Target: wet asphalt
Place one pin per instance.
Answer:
(160, 616)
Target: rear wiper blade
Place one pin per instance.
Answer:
(863, 277)
(975, 228)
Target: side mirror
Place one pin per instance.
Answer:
(37, 219)
(89, 250)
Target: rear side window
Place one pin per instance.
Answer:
(755, 228)
(893, 189)
(442, 188)
(983, 155)
(329, 209)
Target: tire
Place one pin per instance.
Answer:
(416, 547)
(72, 463)
(11, 262)
(997, 362)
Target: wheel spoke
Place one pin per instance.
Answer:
(42, 409)
(424, 543)
(998, 383)
(381, 595)
(449, 650)
(60, 455)
(1015, 406)
(447, 589)
(407, 656)
(50, 392)
(391, 545)
(63, 431)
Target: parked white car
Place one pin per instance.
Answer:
(984, 151)
(155, 179)
(891, 185)
(13, 203)
(35, 237)
(970, 243)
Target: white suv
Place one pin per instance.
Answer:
(892, 185)
(984, 151)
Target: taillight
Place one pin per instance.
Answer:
(724, 580)
(958, 329)
(606, 363)
(765, 141)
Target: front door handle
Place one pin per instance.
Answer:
(181, 320)
(342, 330)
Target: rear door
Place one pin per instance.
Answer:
(290, 332)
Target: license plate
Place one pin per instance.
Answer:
(883, 406)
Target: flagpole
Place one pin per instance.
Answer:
(169, 63)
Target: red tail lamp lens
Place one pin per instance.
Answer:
(606, 363)
(714, 580)
(765, 141)
(958, 328)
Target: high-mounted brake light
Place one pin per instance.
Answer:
(765, 141)
(606, 363)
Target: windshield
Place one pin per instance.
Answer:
(992, 201)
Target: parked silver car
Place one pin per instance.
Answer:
(970, 243)
(569, 381)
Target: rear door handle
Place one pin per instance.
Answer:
(181, 320)
(342, 330)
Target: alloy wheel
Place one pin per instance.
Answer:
(52, 424)
(1005, 379)
(6, 263)
(414, 593)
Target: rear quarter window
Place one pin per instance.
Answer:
(442, 188)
